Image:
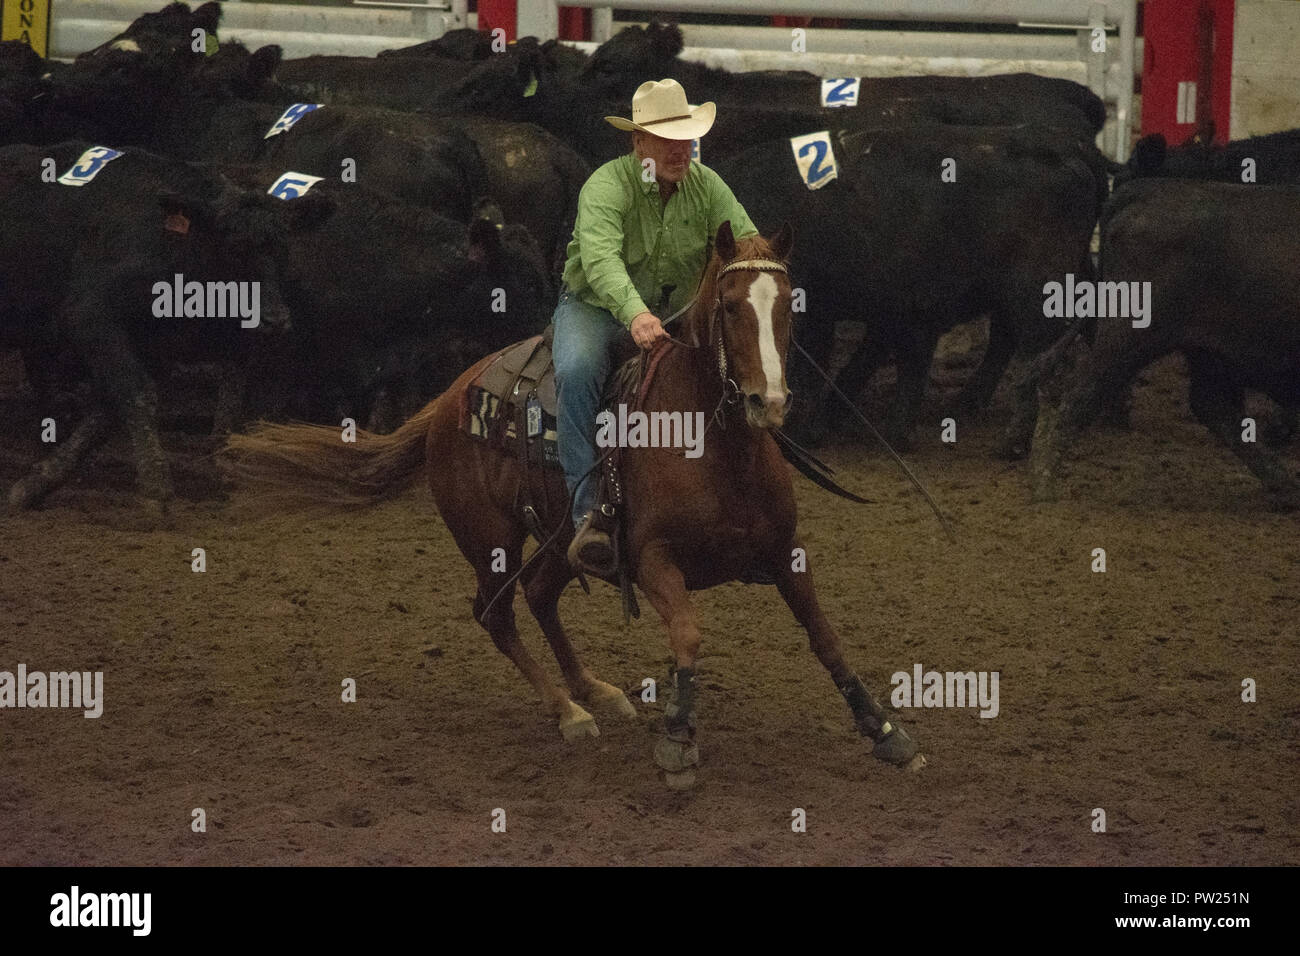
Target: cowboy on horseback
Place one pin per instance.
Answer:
(642, 233)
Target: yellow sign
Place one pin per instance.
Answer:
(28, 21)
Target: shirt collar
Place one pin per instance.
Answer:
(652, 188)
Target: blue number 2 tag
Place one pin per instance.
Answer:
(291, 116)
(843, 92)
(88, 165)
(814, 158)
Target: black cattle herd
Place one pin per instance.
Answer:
(399, 216)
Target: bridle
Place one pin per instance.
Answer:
(730, 390)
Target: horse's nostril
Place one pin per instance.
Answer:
(756, 401)
(789, 400)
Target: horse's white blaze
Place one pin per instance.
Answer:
(762, 298)
(129, 45)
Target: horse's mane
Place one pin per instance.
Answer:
(697, 320)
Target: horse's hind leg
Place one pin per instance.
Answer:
(543, 584)
(477, 543)
(892, 742)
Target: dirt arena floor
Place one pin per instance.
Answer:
(1119, 691)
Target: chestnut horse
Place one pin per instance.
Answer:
(691, 523)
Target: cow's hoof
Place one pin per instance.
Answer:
(577, 723)
(676, 756)
(895, 747)
(682, 780)
(900, 441)
(1011, 448)
(22, 496)
(1284, 502)
(608, 699)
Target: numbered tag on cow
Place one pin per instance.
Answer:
(841, 92)
(815, 158)
(291, 116)
(293, 185)
(695, 150)
(88, 165)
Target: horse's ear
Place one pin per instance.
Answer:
(726, 242)
(783, 241)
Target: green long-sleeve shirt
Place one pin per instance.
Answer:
(627, 244)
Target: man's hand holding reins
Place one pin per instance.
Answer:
(647, 330)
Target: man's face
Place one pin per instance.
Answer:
(672, 157)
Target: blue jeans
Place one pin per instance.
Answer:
(583, 350)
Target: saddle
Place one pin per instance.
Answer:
(512, 405)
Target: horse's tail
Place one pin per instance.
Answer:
(312, 464)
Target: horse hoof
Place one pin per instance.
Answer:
(895, 747)
(610, 700)
(676, 756)
(578, 724)
(683, 780)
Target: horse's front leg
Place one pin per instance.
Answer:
(893, 744)
(663, 583)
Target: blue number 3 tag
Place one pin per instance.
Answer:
(88, 165)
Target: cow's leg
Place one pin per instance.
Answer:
(543, 584)
(677, 753)
(892, 743)
(865, 361)
(232, 391)
(1280, 426)
(914, 360)
(978, 392)
(104, 347)
(807, 422)
(1218, 403)
(48, 474)
(1109, 367)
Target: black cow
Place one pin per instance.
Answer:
(391, 302)
(1225, 283)
(1276, 160)
(463, 44)
(190, 111)
(637, 53)
(537, 85)
(446, 163)
(396, 83)
(83, 269)
(169, 30)
(890, 244)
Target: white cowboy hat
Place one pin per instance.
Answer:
(660, 108)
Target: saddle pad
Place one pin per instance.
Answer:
(485, 416)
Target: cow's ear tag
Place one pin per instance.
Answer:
(177, 222)
(210, 45)
(531, 88)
